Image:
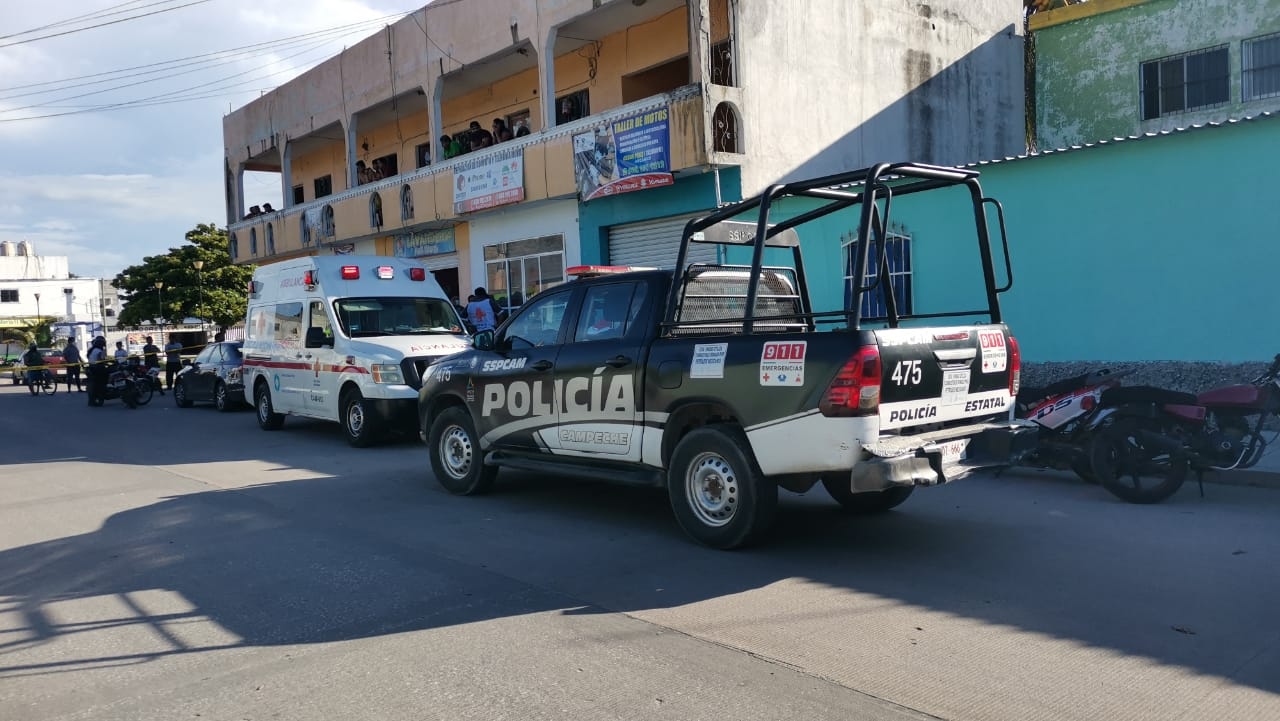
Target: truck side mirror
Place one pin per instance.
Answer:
(483, 340)
(316, 338)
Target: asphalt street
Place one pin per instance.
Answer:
(166, 563)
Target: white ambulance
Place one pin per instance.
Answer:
(345, 338)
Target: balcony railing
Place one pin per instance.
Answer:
(287, 221)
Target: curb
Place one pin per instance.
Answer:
(1252, 477)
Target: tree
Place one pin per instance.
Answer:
(39, 332)
(222, 285)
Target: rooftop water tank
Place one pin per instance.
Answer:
(24, 248)
(7, 248)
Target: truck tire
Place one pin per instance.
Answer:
(719, 496)
(866, 503)
(268, 419)
(456, 458)
(359, 421)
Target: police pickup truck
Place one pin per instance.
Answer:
(721, 383)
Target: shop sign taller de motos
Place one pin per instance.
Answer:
(496, 179)
(627, 154)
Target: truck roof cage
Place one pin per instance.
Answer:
(873, 188)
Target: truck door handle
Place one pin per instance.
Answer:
(542, 365)
(618, 361)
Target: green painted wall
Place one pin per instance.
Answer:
(1166, 248)
(1087, 70)
(689, 194)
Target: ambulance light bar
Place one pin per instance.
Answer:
(351, 272)
(591, 271)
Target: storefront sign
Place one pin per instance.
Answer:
(494, 180)
(631, 153)
(425, 242)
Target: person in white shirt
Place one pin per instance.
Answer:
(482, 311)
(121, 354)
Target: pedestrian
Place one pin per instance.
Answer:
(71, 355)
(121, 355)
(172, 361)
(151, 359)
(482, 311)
(96, 373)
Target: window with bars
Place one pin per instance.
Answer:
(1260, 67)
(897, 256)
(1191, 81)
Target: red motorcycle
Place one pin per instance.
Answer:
(1161, 435)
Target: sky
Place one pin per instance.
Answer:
(109, 186)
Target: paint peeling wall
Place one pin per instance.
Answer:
(1088, 69)
(846, 83)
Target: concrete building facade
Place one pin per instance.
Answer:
(625, 116)
(41, 287)
(1114, 68)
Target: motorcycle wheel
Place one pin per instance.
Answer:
(130, 397)
(1131, 470)
(145, 391)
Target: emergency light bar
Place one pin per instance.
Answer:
(385, 272)
(351, 272)
(417, 274)
(591, 271)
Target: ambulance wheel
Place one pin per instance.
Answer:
(359, 421)
(268, 419)
(456, 458)
(865, 503)
(718, 493)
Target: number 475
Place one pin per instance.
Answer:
(906, 373)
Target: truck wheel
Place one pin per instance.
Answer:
(456, 458)
(865, 503)
(361, 423)
(268, 419)
(717, 492)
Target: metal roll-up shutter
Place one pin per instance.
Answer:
(439, 262)
(655, 243)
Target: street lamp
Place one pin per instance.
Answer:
(37, 316)
(160, 313)
(199, 266)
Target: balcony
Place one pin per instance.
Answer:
(427, 197)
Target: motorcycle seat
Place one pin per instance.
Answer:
(1146, 394)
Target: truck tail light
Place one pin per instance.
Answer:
(1015, 367)
(351, 272)
(385, 272)
(855, 391)
(417, 274)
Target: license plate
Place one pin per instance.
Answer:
(955, 386)
(955, 451)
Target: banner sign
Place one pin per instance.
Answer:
(631, 153)
(425, 242)
(496, 179)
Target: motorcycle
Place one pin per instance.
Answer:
(146, 379)
(118, 382)
(1167, 434)
(1067, 412)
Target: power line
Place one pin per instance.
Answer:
(99, 25)
(69, 21)
(266, 44)
(220, 58)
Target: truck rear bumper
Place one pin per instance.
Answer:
(930, 459)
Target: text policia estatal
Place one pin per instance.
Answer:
(570, 396)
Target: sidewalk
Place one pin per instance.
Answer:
(1264, 475)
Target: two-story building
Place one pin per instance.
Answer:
(501, 141)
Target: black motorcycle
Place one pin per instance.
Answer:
(115, 381)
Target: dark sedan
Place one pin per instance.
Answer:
(213, 377)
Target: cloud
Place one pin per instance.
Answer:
(109, 188)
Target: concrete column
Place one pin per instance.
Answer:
(547, 78)
(700, 43)
(352, 130)
(286, 175)
(435, 120)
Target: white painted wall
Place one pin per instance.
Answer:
(833, 85)
(518, 223)
(30, 267)
(81, 305)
